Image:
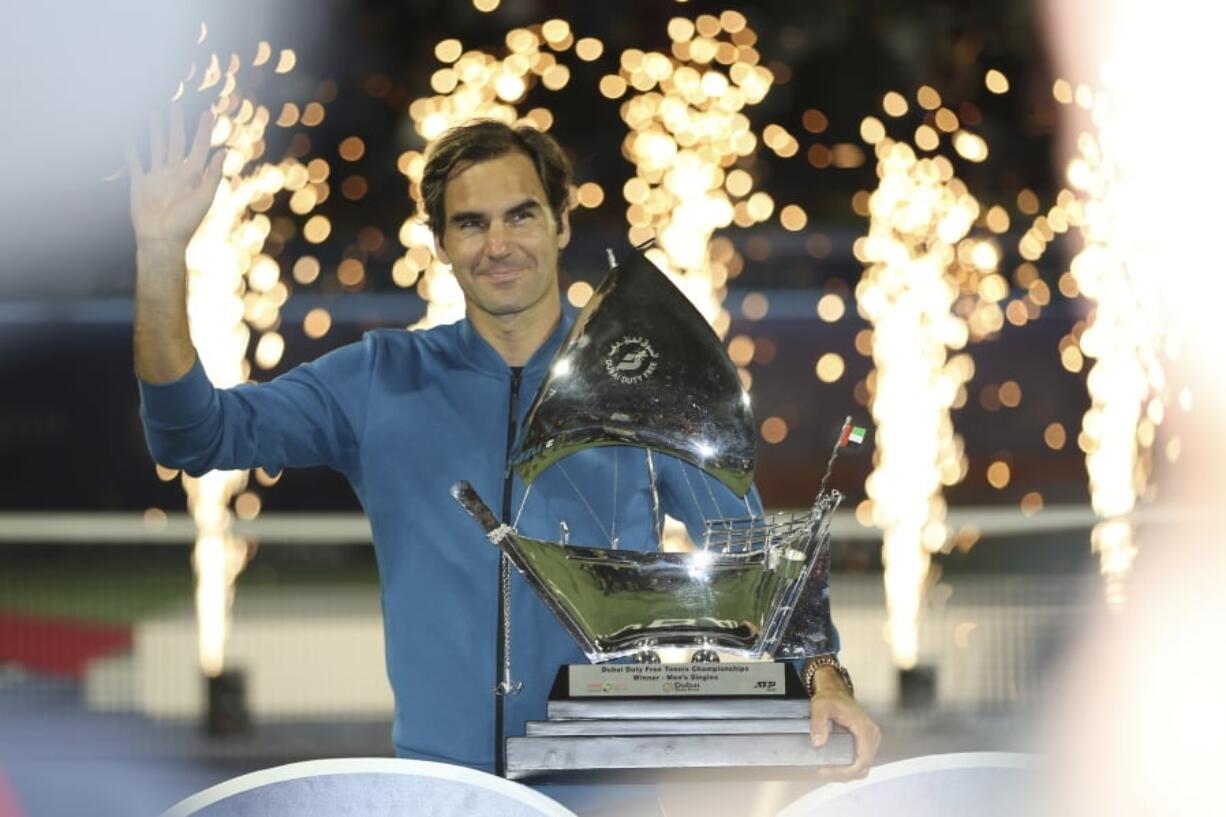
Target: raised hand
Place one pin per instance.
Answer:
(170, 199)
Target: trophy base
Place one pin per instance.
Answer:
(722, 728)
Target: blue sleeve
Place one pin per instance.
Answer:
(312, 415)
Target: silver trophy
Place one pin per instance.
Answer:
(641, 367)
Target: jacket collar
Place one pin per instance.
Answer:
(478, 352)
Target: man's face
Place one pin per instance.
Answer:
(501, 237)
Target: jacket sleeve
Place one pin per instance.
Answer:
(312, 415)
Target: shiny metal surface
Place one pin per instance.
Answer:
(642, 367)
(750, 602)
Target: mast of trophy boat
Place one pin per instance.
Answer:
(656, 516)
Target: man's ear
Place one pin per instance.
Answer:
(564, 229)
(439, 252)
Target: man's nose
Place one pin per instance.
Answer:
(496, 239)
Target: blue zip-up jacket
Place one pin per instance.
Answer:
(404, 415)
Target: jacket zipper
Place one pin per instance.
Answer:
(504, 567)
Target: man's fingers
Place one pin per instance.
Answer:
(174, 147)
(157, 142)
(207, 187)
(200, 142)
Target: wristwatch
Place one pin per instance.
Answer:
(828, 660)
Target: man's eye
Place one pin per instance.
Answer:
(469, 223)
(521, 216)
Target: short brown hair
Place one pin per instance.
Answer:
(486, 139)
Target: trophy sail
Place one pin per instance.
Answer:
(641, 367)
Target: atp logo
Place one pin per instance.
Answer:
(631, 360)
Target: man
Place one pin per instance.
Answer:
(404, 415)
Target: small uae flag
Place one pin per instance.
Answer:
(852, 436)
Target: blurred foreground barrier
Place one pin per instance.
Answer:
(368, 787)
(998, 783)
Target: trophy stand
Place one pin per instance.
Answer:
(653, 716)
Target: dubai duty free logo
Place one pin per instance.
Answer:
(631, 360)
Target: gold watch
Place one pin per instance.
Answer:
(828, 660)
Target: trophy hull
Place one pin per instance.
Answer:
(766, 601)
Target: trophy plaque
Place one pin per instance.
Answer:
(753, 589)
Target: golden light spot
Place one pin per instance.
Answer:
(946, 120)
(996, 82)
(760, 205)
(989, 398)
(1185, 399)
(154, 519)
(860, 201)
(486, 5)
(830, 367)
(247, 506)
(404, 272)
(864, 513)
(1071, 359)
(846, 155)
(707, 25)
(732, 21)
(926, 138)
(555, 30)
(1027, 201)
(350, 272)
(872, 130)
(444, 80)
(997, 219)
(579, 293)
(1062, 91)
(864, 342)
(1173, 449)
(998, 474)
(268, 350)
(306, 269)
(317, 229)
(1010, 394)
(928, 98)
(589, 49)
(286, 61)
(970, 146)
(830, 307)
(540, 118)
(312, 114)
(741, 349)
(1031, 503)
(354, 188)
(590, 194)
(266, 479)
(894, 104)
(166, 474)
(793, 218)
(448, 50)
(1015, 313)
(352, 148)
(612, 86)
(680, 29)
(738, 183)
(288, 116)
(1084, 96)
(774, 430)
(316, 323)
(814, 121)
(754, 306)
(1054, 436)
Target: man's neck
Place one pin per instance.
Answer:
(517, 337)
